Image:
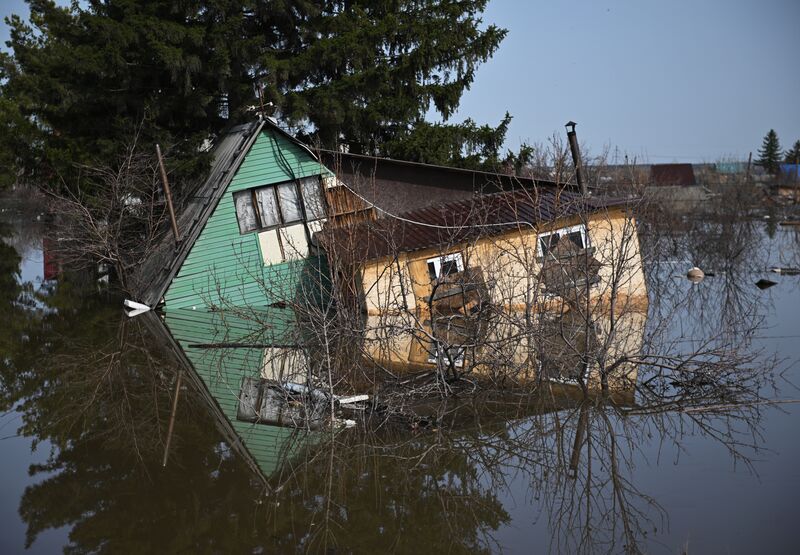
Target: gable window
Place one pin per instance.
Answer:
(245, 211)
(285, 215)
(445, 265)
(278, 205)
(549, 241)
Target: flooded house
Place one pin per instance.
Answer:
(519, 284)
(446, 250)
(247, 235)
(518, 250)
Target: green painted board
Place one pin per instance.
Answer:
(223, 370)
(224, 267)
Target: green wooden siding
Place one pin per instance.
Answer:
(226, 268)
(222, 372)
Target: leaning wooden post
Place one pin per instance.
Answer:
(172, 417)
(747, 173)
(167, 194)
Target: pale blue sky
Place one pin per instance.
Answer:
(666, 81)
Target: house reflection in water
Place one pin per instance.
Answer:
(560, 348)
(233, 360)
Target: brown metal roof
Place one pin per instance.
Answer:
(672, 174)
(458, 222)
(399, 185)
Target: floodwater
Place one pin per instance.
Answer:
(86, 400)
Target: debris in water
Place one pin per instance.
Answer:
(786, 271)
(695, 275)
(765, 283)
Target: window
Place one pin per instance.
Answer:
(279, 205)
(285, 215)
(445, 265)
(268, 207)
(290, 203)
(245, 211)
(575, 234)
(446, 356)
(312, 198)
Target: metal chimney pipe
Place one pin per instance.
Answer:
(576, 156)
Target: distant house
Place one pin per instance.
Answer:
(672, 175)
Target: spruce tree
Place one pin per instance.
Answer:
(92, 76)
(83, 79)
(770, 153)
(366, 72)
(793, 154)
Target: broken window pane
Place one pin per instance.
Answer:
(577, 238)
(245, 211)
(312, 198)
(549, 242)
(449, 267)
(432, 270)
(575, 235)
(267, 207)
(290, 203)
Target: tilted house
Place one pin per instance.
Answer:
(433, 281)
(495, 244)
(247, 235)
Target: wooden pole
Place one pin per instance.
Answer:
(168, 194)
(749, 162)
(172, 417)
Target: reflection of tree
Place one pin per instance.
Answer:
(406, 494)
(92, 386)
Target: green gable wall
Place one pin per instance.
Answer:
(222, 372)
(224, 268)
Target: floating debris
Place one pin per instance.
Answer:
(765, 283)
(786, 271)
(695, 275)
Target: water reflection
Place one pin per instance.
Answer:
(437, 475)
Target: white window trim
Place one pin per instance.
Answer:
(442, 355)
(562, 231)
(438, 260)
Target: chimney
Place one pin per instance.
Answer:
(576, 155)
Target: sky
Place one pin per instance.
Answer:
(677, 81)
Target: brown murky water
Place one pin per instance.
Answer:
(86, 398)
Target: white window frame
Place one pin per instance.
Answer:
(438, 260)
(562, 231)
(441, 354)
